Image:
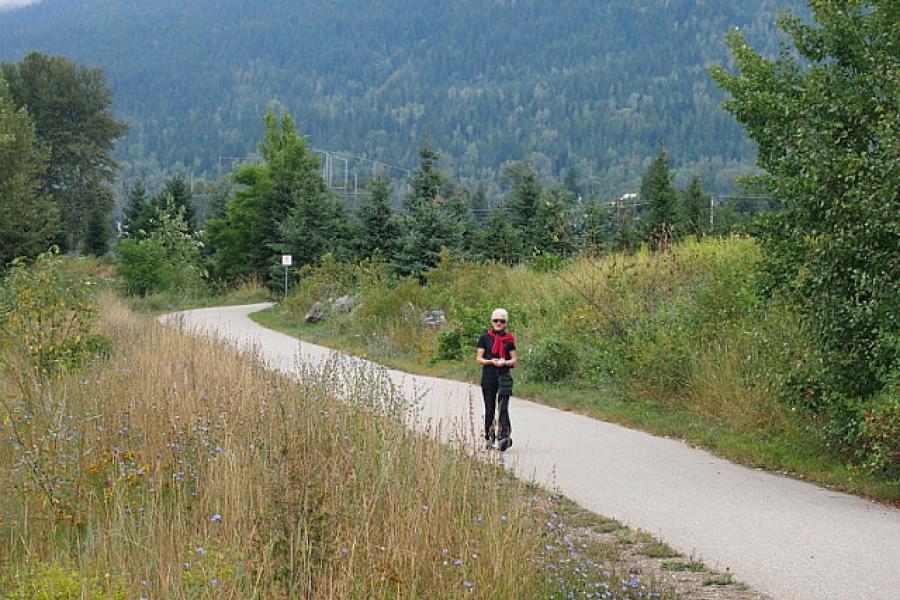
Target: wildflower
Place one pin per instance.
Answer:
(479, 519)
(216, 518)
(201, 550)
(467, 585)
(344, 551)
(143, 583)
(214, 581)
(457, 562)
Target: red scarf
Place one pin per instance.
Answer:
(499, 348)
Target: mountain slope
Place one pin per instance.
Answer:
(583, 83)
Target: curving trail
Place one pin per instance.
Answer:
(786, 538)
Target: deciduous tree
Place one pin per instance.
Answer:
(70, 106)
(825, 116)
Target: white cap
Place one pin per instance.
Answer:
(499, 313)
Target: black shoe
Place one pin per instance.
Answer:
(504, 444)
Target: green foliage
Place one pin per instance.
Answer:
(166, 261)
(551, 360)
(379, 228)
(879, 449)
(663, 221)
(28, 220)
(498, 240)
(177, 191)
(696, 208)
(548, 262)
(542, 217)
(282, 206)
(46, 313)
(70, 106)
(97, 234)
(431, 223)
(137, 214)
(825, 118)
(54, 582)
(142, 266)
(458, 341)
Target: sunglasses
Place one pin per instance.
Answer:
(498, 320)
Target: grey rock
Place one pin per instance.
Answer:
(316, 313)
(344, 304)
(433, 318)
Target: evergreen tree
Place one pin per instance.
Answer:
(479, 200)
(499, 240)
(696, 208)
(523, 200)
(379, 229)
(317, 225)
(430, 223)
(426, 182)
(663, 220)
(70, 107)
(178, 190)
(595, 227)
(552, 224)
(97, 232)
(570, 182)
(28, 220)
(137, 213)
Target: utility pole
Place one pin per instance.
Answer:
(712, 198)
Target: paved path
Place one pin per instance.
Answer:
(788, 539)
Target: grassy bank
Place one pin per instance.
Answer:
(156, 465)
(675, 343)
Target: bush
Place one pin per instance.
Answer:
(142, 266)
(167, 261)
(46, 313)
(880, 430)
(551, 360)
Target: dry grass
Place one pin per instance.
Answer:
(180, 469)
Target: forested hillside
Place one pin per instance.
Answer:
(571, 83)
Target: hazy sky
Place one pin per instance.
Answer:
(15, 3)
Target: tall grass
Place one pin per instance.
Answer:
(177, 468)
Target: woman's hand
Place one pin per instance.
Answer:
(501, 363)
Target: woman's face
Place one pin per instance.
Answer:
(498, 324)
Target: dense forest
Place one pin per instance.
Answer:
(574, 84)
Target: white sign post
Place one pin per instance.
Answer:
(286, 260)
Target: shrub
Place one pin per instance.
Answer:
(167, 261)
(142, 266)
(880, 430)
(551, 360)
(46, 313)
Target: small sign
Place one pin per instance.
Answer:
(286, 259)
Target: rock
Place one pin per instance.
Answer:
(344, 304)
(316, 313)
(433, 318)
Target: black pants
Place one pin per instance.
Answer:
(490, 387)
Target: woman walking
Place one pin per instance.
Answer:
(496, 351)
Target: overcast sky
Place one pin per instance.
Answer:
(16, 3)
